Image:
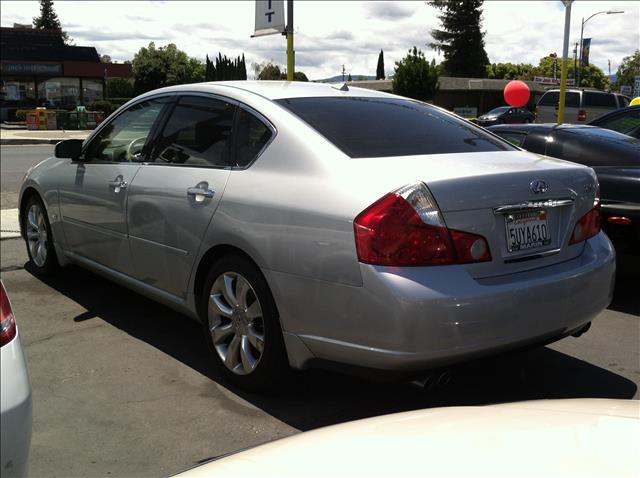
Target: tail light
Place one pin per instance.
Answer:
(7, 320)
(406, 228)
(582, 115)
(622, 220)
(588, 225)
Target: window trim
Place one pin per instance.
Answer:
(119, 112)
(264, 120)
(232, 165)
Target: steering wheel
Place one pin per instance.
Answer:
(134, 149)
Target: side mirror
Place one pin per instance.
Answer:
(69, 148)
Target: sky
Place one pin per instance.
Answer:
(330, 34)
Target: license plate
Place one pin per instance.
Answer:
(527, 230)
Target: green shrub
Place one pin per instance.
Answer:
(21, 115)
(101, 105)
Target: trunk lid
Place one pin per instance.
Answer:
(501, 196)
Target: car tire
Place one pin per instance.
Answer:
(38, 237)
(241, 325)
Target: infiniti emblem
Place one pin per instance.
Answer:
(538, 186)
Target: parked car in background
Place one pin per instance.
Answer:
(581, 105)
(506, 115)
(615, 157)
(303, 223)
(625, 121)
(15, 395)
(579, 437)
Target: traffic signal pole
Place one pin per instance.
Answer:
(290, 51)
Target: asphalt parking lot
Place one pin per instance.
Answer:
(122, 386)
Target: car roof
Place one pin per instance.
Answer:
(275, 90)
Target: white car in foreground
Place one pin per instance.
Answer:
(581, 437)
(15, 396)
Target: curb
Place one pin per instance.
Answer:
(27, 141)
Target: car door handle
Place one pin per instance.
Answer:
(118, 184)
(200, 193)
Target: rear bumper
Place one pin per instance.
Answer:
(407, 319)
(15, 410)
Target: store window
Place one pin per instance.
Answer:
(17, 92)
(92, 90)
(59, 93)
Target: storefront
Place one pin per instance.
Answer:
(37, 69)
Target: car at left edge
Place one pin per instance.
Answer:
(15, 395)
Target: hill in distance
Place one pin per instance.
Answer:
(338, 78)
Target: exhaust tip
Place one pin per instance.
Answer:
(583, 330)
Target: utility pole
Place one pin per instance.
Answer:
(565, 52)
(290, 51)
(575, 63)
(343, 72)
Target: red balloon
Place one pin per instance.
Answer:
(517, 93)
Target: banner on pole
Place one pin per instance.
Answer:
(586, 44)
(269, 17)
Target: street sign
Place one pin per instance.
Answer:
(269, 17)
(545, 80)
(586, 46)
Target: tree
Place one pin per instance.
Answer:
(348, 77)
(48, 20)
(299, 76)
(269, 71)
(594, 77)
(380, 67)
(461, 38)
(165, 66)
(225, 69)
(510, 71)
(414, 77)
(628, 69)
(105, 59)
(119, 88)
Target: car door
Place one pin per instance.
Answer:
(93, 195)
(174, 195)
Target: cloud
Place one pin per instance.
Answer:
(390, 10)
(98, 36)
(341, 35)
(330, 34)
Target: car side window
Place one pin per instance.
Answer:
(124, 139)
(625, 122)
(514, 138)
(597, 99)
(251, 137)
(197, 133)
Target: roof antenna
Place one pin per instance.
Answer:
(342, 87)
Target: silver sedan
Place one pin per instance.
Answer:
(307, 224)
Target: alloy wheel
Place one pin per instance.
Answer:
(236, 323)
(37, 235)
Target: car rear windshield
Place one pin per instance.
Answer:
(552, 98)
(376, 127)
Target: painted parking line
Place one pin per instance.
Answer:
(9, 224)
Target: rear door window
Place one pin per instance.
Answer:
(602, 100)
(197, 133)
(552, 98)
(364, 127)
